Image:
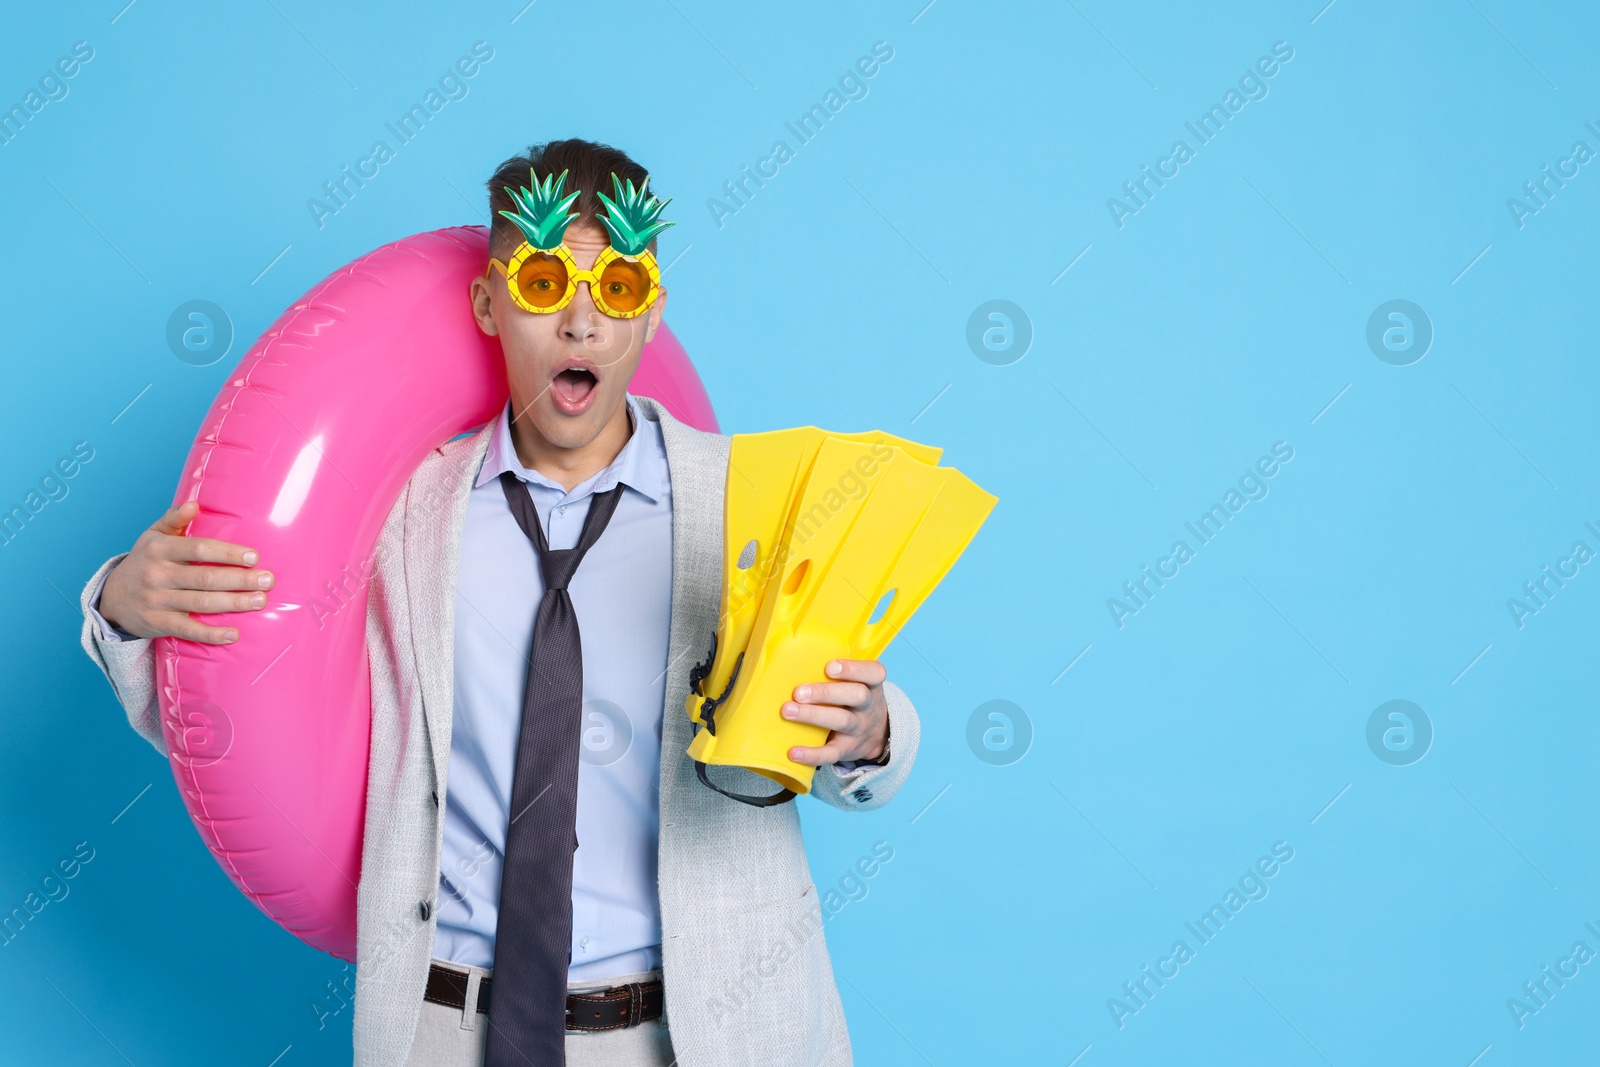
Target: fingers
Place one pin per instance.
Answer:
(213, 578)
(167, 576)
(176, 518)
(206, 550)
(172, 545)
(178, 624)
(187, 576)
(865, 671)
(210, 603)
(834, 718)
(832, 752)
(844, 694)
(836, 706)
(167, 614)
(843, 740)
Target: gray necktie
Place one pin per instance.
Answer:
(533, 930)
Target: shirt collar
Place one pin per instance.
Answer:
(632, 467)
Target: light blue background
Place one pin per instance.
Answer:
(1223, 317)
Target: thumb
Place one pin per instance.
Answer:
(177, 518)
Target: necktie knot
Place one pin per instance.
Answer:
(558, 565)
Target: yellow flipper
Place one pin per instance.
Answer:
(869, 522)
(765, 474)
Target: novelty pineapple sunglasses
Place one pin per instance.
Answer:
(542, 276)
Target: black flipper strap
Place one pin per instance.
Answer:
(780, 797)
(709, 706)
(708, 718)
(701, 671)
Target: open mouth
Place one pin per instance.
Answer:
(573, 388)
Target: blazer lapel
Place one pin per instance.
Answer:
(436, 511)
(697, 464)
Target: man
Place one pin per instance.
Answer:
(670, 882)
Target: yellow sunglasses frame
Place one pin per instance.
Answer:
(576, 275)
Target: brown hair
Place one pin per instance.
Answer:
(589, 166)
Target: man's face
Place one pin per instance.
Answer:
(568, 369)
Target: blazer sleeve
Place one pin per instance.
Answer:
(868, 787)
(129, 665)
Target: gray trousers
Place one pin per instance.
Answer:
(450, 1037)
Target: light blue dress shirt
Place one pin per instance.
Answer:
(622, 594)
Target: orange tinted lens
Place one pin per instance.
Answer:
(542, 280)
(624, 286)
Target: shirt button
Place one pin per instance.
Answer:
(583, 942)
(425, 908)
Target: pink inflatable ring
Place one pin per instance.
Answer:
(301, 457)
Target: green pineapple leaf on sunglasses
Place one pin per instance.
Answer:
(541, 211)
(631, 218)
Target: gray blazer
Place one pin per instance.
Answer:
(745, 964)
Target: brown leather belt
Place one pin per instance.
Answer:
(605, 1009)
